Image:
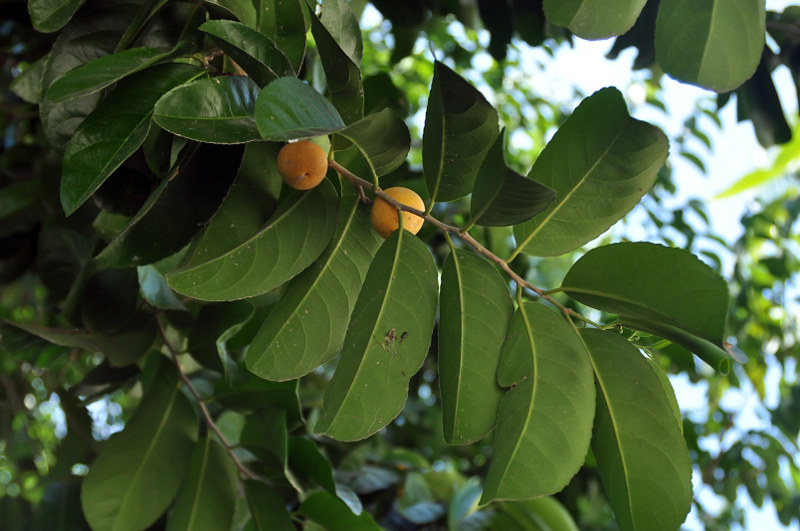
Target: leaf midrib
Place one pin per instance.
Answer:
(201, 475)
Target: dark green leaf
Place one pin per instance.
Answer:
(460, 127)
(383, 140)
(244, 10)
(104, 71)
(594, 19)
(288, 108)
(307, 326)
(641, 454)
(544, 423)
(267, 508)
(28, 83)
(285, 23)
(294, 237)
(218, 110)
(255, 393)
(255, 53)
(330, 512)
(139, 470)
(757, 99)
(501, 196)
(187, 200)
(265, 436)
(386, 342)
(60, 509)
(208, 494)
(306, 459)
(341, 23)
(474, 309)
(110, 300)
(600, 163)
(51, 15)
(114, 131)
(715, 44)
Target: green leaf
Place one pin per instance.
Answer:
(306, 459)
(641, 455)
(600, 163)
(594, 19)
(155, 290)
(460, 128)
(109, 300)
(544, 423)
(342, 74)
(267, 508)
(114, 131)
(208, 494)
(284, 22)
(288, 108)
(265, 436)
(294, 237)
(757, 100)
(218, 110)
(307, 326)
(28, 83)
(475, 308)
(654, 288)
(96, 75)
(501, 196)
(255, 53)
(715, 44)
(139, 470)
(48, 16)
(255, 393)
(386, 342)
(343, 26)
(187, 200)
(59, 509)
(382, 139)
(330, 512)
(244, 10)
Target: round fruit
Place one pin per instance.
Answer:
(384, 215)
(302, 164)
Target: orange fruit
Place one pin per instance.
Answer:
(384, 215)
(302, 164)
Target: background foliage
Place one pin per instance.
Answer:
(156, 275)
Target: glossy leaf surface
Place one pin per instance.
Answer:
(594, 19)
(288, 109)
(460, 127)
(600, 163)
(475, 308)
(219, 110)
(52, 15)
(544, 422)
(386, 342)
(284, 22)
(716, 44)
(331, 513)
(294, 237)
(382, 139)
(641, 454)
(307, 326)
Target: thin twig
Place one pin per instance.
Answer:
(201, 403)
(358, 182)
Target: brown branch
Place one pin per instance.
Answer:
(202, 404)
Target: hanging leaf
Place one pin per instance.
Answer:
(155, 290)
(218, 110)
(641, 454)
(267, 508)
(544, 423)
(659, 289)
(188, 200)
(343, 26)
(715, 44)
(208, 494)
(307, 326)
(594, 19)
(285, 23)
(502, 197)
(382, 139)
(460, 128)
(334, 515)
(60, 509)
(474, 312)
(600, 163)
(253, 51)
(114, 131)
(96, 75)
(139, 470)
(48, 16)
(288, 109)
(757, 100)
(386, 342)
(294, 237)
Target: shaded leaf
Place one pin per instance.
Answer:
(288, 108)
(474, 309)
(330, 512)
(155, 290)
(715, 44)
(386, 342)
(757, 99)
(382, 139)
(139, 470)
(265, 436)
(114, 131)
(460, 127)
(294, 237)
(284, 22)
(110, 300)
(600, 163)
(267, 508)
(187, 200)
(254, 394)
(343, 26)
(60, 509)
(306, 459)
(48, 16)
(28, 83)
(594, 19)
(218, 110)
(544, 423)
(501, 196)
(641, 454)
(306, 327)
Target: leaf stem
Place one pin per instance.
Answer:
(202, 405)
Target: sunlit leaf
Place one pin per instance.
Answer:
(288, 109)
(382, 139)
(594, 19)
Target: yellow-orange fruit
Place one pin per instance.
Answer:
(302, 164)
(384, 215)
